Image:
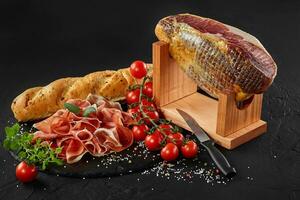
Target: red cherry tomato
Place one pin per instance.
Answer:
(145, 102)
(159, 134)
(134, 110)
(169, 152)
(177, 138)
(133, 96)
(26, 173)
(190, 149)
(135, 113)
(152, 142)
(148, 105)
(139, 132)
(148, 89)
(166, 128)
(138, 69)
(152, 115)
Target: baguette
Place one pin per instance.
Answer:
(41, 102)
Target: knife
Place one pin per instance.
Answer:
(208, 144)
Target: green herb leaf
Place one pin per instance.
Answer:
(58, 150)
(33, 153)
(57, 161)
(6, 144)
(11, 135)
(38, 142)
(88, 111)
(22, 154)
(12, 131)
(44, 165)
(14, 146)
(72, 108)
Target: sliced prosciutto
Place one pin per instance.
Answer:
(100, 133)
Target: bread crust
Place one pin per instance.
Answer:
(41, 102)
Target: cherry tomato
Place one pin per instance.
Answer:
(134, 111)
(133, 96)
(166, 128)
(152, 115)
(177, 138)
(139, 132)
(152, 142)
(190, 149)
(147, 103)
(138, 69)
(148, 89)
(169, 152)
(159, 134)
(26, 173)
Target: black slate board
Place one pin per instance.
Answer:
(135, 158)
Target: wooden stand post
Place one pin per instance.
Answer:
(227, 125)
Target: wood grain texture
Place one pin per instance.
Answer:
(227, 125)
(231, 119)
(169, 81)
(205, 111)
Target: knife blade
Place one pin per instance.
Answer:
(217, 156)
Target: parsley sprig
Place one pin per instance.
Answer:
(38, 153)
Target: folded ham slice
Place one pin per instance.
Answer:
(99, 134)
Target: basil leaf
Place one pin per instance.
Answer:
(72, 108)
(88, 111)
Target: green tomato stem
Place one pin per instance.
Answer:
(145, 116)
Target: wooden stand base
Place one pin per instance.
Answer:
(205, 111)
(227, 125)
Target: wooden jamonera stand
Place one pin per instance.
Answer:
(227, 125)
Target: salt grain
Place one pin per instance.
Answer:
(186, 171)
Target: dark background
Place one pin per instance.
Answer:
(41, 41)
